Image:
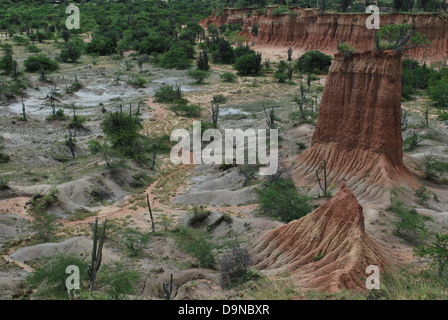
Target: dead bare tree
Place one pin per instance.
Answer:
(324, 189)
(23, 110)
(215, 114)
(71, 141)
(150, 213)
(270, 118)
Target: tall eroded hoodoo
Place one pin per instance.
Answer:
(358, 132)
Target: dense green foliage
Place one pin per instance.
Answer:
(435, 251)
(122, 129)
(51, 277)
(400, 37)
(36, 63)
(414, 77)
(199, 244)
(409, 220)
(248, 64)
(314, 61)
(280, 199)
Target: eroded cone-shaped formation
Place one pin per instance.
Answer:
(358, 132)
(334, 233)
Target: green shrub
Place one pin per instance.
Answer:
(219, 99)
(34, 64)
(442, 115)
(33, 49)
(409, 220)
(137, 82)
(59, 115)
(279, 11)
(122, 129)
(280, 199)
(167, 94)
(432, 168)
(4, 158)
(186, 110)
(390, 36)
(304, 116)
(101, 45)
(162, 143)
(414, 77)
(199, 245)
(7, 64)
(118, 281)
(248, 64)
(49, 279)
(345, 47)
(75, 87)
(228, 77)
(314, 61)
(234, 267)
(93, 146)
(318, 257)
(438, 89)
(135, 241)
(281, 77)
(423, 195)
(71, 52)
(198, 75)
(412, 141)
(44, 226)
(40, 203)
(3, 184)
(435, 253)
(176, 58)
(77, 122)
(197, 216)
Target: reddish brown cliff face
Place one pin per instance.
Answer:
(361, 104)
(306, 30)
(358, 131)
(335, 232)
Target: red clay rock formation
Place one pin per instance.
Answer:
(306, 30)
(335, 231)
(358, 132)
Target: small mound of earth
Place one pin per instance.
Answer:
(327, 250)
(87, 192)
(12, 226)
(79, 246)
(215, 188)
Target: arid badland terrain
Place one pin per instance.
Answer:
(355, 151)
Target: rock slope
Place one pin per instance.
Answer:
(327, 250)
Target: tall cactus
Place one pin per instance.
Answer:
(150, 213)
(215, 114)
(97, 252)
(270, 118)
(168, 288)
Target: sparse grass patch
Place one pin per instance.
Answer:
(266, 289)
(81, 214)
(412, 284)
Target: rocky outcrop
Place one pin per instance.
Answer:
(358, 131)
(327, 250)
(305, 29)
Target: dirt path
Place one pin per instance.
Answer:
(159, 113)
